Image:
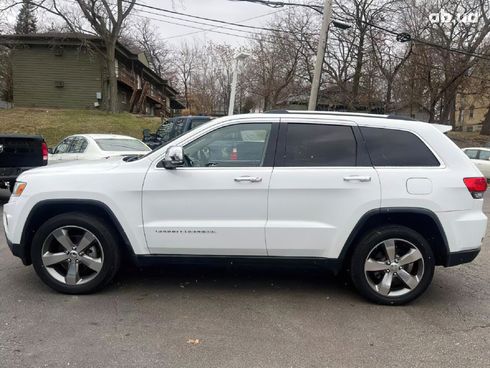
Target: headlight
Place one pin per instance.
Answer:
(18, 188)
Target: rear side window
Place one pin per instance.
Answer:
(319, 145)
(484, 155)
(198, 122)
(390, 147)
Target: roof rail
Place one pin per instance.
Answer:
(334, 113)
(399, 117)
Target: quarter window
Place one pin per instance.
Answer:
(319, 145)
(242, 145)
(390, 147)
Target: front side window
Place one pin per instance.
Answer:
(121, 145)
(64, 146)
(319, 145)
(471, 153)
(241, 145)
(391, 147)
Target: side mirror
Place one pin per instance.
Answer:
(50, 150)
(174, 157)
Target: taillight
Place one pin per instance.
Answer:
(476, 186)
(44, 149)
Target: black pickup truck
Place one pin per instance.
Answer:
(19, 153)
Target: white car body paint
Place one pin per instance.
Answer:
(299, 211)
(93, 150)
(482, 163)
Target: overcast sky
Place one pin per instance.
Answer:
(230, 11)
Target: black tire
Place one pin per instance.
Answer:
(365, 281)
(106, 240)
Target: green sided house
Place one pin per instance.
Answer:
(66, 70)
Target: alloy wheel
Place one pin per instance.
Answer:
(72, 255)
(394, 267)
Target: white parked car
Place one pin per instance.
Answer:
(96, 146)
(480, 156)
(387, 199)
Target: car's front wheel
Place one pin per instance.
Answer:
(392, 265)
(75, 253)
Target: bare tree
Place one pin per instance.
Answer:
(159, 56)
(185, 59)
(106, 19)
(438, 64)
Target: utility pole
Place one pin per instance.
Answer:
(320, 55)
(237, 58)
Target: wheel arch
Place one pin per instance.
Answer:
(53, 207)
(421, 220)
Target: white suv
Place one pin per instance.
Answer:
(385, 198)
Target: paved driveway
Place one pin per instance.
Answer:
(244, 316)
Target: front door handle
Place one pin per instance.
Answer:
(251, 179)
(359, 178)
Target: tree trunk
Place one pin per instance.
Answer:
(112, 101)
(486, 123)
(447, 113)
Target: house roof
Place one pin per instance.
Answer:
(76, 38)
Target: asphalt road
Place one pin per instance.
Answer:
(242, 316)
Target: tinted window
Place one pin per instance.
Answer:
(484, 155)
(319, 145)
(471, 153)
(197, 122)
(389, 147)
(242, 145)
(121, 145)
(178, 128)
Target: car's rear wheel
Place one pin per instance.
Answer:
(75, 253)
(392, 265)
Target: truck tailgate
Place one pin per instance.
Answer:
(21, 151)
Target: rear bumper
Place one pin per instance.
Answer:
(465, 256)
(8, 174)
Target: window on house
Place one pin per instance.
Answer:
(116, 66)
(472, 111)
(124, 98)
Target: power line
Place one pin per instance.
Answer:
(199, 28)
(196, 22)
(395, 33)
(207, 19)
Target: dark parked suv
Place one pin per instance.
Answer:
(173, 128)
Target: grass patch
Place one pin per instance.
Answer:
(55, 124)
(469, 139)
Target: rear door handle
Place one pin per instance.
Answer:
(251, 179)
(359, 178)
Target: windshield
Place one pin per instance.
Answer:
(121, 144)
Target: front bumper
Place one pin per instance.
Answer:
(19, 251)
